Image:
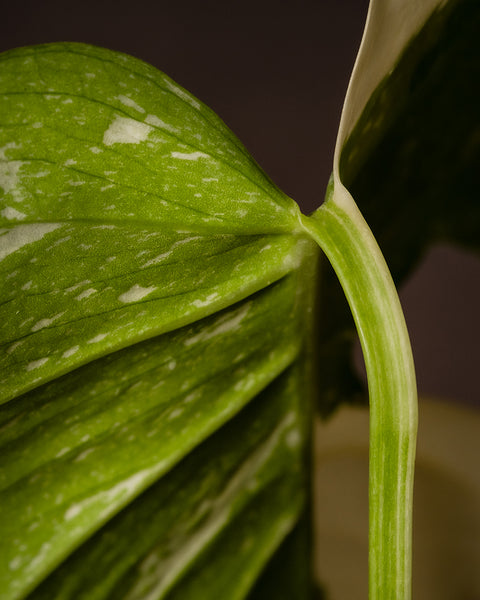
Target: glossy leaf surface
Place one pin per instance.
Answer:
(151, 292)
(139, 212)
(92, 134)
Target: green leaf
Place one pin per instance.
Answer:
(155, 286)
(125, 205)
(124, 283)
(184, 529)
(95, 135)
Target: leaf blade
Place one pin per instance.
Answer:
(198, 257)
(77, 144)
(196, 514)
(75, 457)
(113, 297)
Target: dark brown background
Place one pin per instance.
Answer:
(277, 72)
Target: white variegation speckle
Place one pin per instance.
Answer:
(186, 240)
(14, 346)
(15, 563)
(130, 485)
(78, 285)
(83, 455)
(11, 214)
(189, 155)
(71, 351)
(9, 178)
(33, 526)
(191, 397)
(124, 130)
(9, 146)
(73, 511)
(86, 294)
(40, 174)
(176, 412)
(208, 300)
(135, 293)
(158, 259)
(95, 150)
(108, 499)
(293, 438)
(62, 452)
(35, 364)
(97, 338)
(156, 122)
(70, 162)
(45, 322)
(182, 94)
(13, 239)
(224, 324)
(129, 102)
(40, 557)
(245, 384)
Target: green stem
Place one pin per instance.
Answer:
(341, 232)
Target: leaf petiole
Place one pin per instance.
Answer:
(341, 232)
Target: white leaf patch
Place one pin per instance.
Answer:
(13, 239)
(126, 131)
(135, 293)
(11, 214)
(189, 155)
(131, 103)
(9, 176)
(46, 322)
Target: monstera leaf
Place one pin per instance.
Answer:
(153, 289)
(157, 330)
